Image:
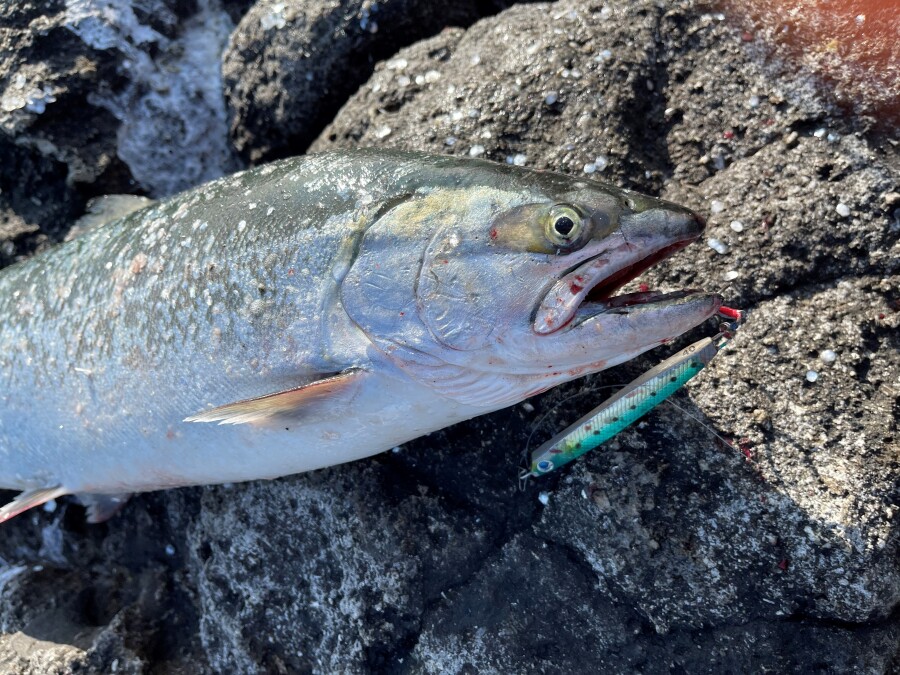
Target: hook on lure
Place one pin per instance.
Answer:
(632, 402)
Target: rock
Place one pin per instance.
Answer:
(147, 79)
(291, 64)
(550, 86)
(752, 527)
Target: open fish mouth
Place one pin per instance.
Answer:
(589, 289)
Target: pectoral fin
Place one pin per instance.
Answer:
(291, 403)
(29, 499)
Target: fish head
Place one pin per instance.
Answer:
(517, 280)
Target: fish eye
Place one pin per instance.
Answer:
(564, 225)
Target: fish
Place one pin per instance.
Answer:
(314, 311)
(631, 402)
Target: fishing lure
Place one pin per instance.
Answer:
(631, 402)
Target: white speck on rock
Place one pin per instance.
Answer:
(544, 498)
(716, 206)
(718, 246)
(274, 18)
(811, 376)
(827, 356)
(843, 210)
(736, 225)
(383, 132)
(476, 150)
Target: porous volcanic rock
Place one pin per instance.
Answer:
(290, 64)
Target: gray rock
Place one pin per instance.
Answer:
(291, 64)
(95, 101)
(752, 527)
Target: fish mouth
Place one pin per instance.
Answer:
(589, 289)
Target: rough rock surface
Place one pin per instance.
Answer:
(105, 97)
(670, 550)
(291, 64)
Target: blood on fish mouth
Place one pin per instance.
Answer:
(588, 289)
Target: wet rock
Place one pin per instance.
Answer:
(291, 64)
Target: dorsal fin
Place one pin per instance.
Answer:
(105, 209)
(291, 403)
(29, 499)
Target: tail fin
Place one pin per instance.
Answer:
(29, 499)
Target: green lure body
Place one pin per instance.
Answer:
(625, 407)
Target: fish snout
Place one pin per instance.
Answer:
(659, 220)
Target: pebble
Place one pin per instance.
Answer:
(544, 498)
(811, 376)
(551, 98)
(383, 132)
(736, 225)
(843, 210)
(827, 356)
(476, 150)
(731, 275)
(170, 550)
(718, 246)
(50, 507)
(716, 206)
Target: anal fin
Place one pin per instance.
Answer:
(102, 507)
(29, 499)
(290, 404)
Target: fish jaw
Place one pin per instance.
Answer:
(643, 240)
(581, 326)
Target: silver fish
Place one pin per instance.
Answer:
(315, 311)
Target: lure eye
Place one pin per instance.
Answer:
(564, 225)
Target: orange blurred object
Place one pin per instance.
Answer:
(851, 46)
